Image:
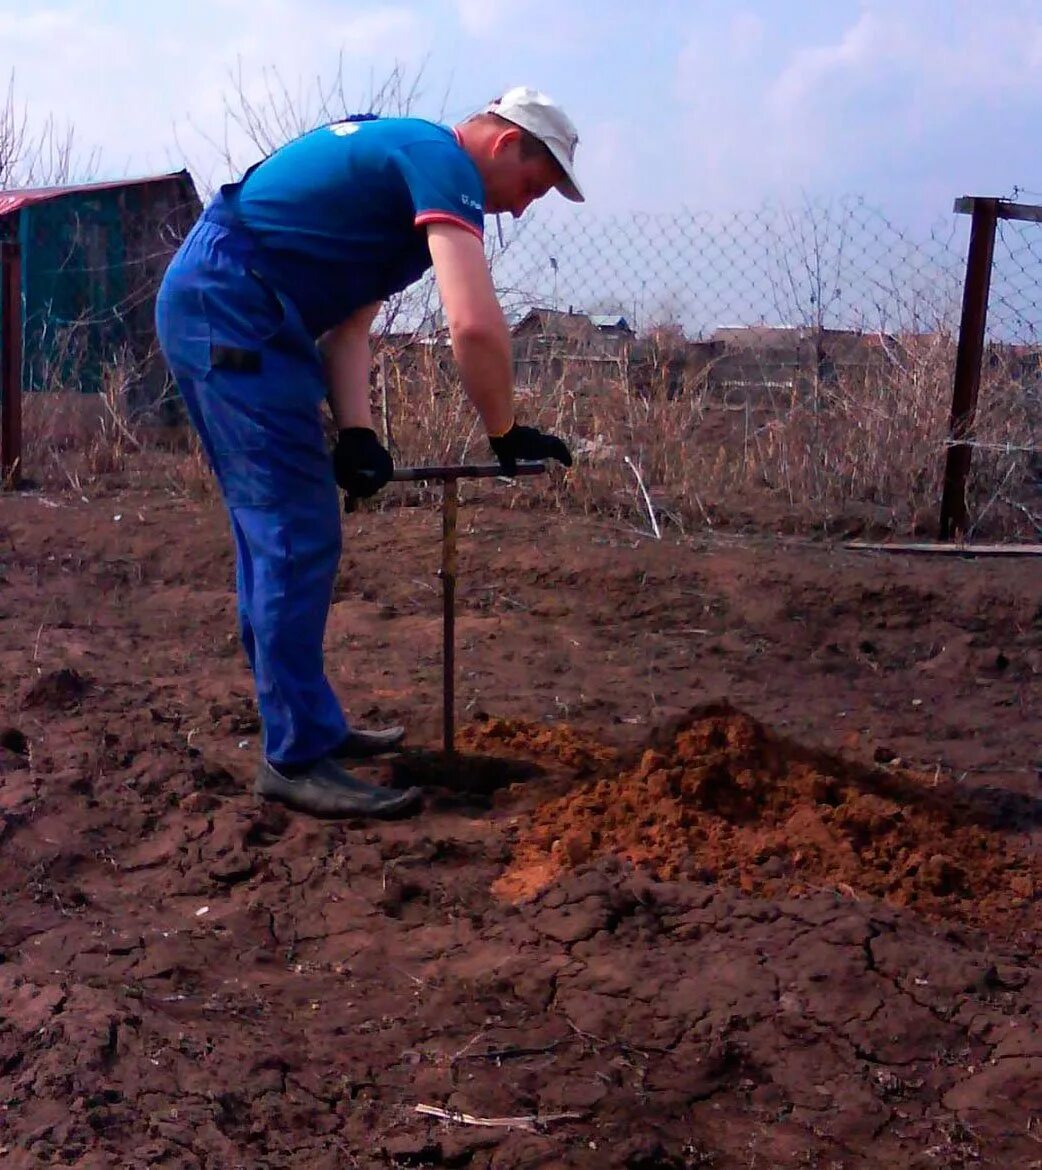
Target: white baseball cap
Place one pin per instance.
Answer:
(541, 116)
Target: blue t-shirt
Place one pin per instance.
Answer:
(339, 214)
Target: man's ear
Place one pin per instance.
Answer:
(504, 138)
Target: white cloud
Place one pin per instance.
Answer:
(602, 145)
(29, 26)
(139, 84)
(746, 34)
(294, 35)
(552, 26)
(895, 79)
(481, 18)
(979, 54)
(865, 46)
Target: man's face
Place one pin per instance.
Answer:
(513, 182)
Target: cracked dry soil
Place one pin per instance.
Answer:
(737, 868)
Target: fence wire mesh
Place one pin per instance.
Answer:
(840, 265)
(1015, 300)
(810, 353)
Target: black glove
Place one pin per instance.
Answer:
(361, 463)
(527, 443)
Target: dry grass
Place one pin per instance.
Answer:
(93, 443)
(864, 454)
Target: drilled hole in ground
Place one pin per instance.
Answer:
(461, 775)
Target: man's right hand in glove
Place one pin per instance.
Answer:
(528, 443)
(481, 344)
(361, 464)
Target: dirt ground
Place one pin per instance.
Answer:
(737, 868)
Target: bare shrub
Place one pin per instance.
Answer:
(80, 439)
(58, 420)
(190, 474)
(864, 454)
(867, 455)
(38, 155)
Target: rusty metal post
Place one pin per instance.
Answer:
(449, 514)
(968, 361)
(10, 365)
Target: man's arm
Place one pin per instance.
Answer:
(360, 462)
(346, 355)
(477, 327)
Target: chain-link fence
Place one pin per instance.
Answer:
(1015, 301)
(840, 265)
(809, 351)
(749, 304)
(1015, 316)
(829, 265)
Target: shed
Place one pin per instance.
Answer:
(92, 256)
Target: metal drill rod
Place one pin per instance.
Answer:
(449, 478)
(449, 514)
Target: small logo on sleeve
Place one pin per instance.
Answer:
(468, 202)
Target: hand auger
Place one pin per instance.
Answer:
(449, 478)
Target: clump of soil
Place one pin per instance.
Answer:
(58, 689)
(718, 796)
(583, 754)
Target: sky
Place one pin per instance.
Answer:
(707, 105)
(714, 104)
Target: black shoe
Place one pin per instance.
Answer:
(363, 745)
(325, 789)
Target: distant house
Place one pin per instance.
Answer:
(663, 360)
(552, 343)
(759, 337)
(554, 325)
(763, 359)
(843, 345)
(91, 257)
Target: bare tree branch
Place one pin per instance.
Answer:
(42, 157)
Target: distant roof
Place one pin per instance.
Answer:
(761, 329)
(609, 321)
(556, 322)
(17, 198)
(553, 314)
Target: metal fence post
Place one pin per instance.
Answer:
(10, 365)
(968, 361)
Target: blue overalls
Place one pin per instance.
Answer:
(335, 223)
(259, 421)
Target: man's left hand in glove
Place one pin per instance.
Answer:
(528, 443)
(361, 463)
